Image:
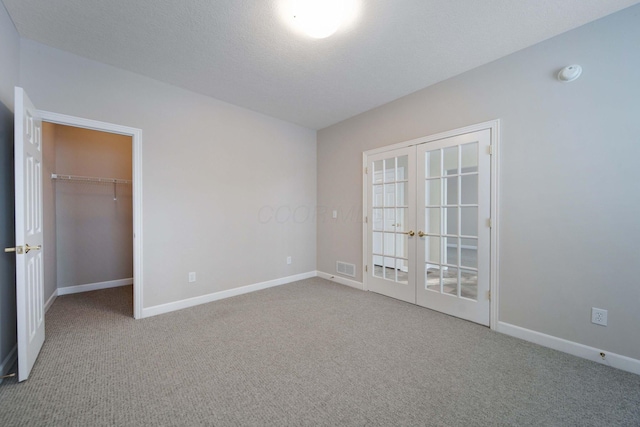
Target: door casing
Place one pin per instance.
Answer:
(136, 138)
(494, 127)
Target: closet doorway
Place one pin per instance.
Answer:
(88, 210)
(92, 200)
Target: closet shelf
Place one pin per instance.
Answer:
(57, 176)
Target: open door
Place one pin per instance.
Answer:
(29, 233)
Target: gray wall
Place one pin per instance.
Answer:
(569, 205)
(94, 232)
(9, 63)
(214, 175)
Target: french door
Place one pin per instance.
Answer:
(428, 225)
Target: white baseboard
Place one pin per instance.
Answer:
(203, 299)
(49, 303)
(9, 361)
(94, 286)
(341, 280)
(590, 353)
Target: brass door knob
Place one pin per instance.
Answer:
(27, 248)
(16, 249)
(410, 233)
(421, 234)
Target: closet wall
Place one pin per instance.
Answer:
(93, 221)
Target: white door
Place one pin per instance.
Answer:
(454, 195)
(29, 233)
(428, 228)
(391, 218)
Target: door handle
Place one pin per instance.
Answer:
(28, 248)
(410, 233)
(23, 250)
(421, 234)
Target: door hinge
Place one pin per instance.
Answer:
(490, 149)
(366, 170)
(366, 219)
(488, 295)
(489, 223)
(366, 268)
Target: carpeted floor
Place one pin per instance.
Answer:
(307, 353)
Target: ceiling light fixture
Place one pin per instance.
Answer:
(320, 18)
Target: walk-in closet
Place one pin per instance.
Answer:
(87, 204)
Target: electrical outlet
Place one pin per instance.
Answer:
(599, 316)
(192, 277)
(288, 260)
(335, 214)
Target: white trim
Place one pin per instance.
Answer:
(495, 223)
(9, 361)
(580, 350)
(442, 135)
(365, 225)
(94, 286)
(50, 301)
(136, 137)
(341, 280)
(215, 296)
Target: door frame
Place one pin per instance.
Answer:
(494, 127)
(136, 150)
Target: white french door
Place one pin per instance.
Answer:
(443, 204)
(29, 233)
(391, 182)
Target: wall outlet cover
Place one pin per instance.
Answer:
(192, 277)
(599, 316)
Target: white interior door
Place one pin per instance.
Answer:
(454, 208)
(390, 224)
(29, 233)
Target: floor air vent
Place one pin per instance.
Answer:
(346, 269)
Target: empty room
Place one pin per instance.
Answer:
(306, 212)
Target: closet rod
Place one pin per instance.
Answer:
(88, 179)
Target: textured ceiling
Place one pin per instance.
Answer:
(242, 52)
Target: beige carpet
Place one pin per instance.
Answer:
(307, 353)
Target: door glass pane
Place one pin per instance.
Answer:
(402, 194)
(390, 170)
(452, 250)
(451, 221)
(377, 266)
(389, 268)
(433, 277)
(469, 253)
(389, 244)
(378, 174)
(450, 281)
(390, 219)
(390, 195)
(432, 221)
(451, 191)
(402, 246)
(401, 219)
(470, 157)
(432, 163)
(377, 243)
(469, 226)
(377, 219)
(432, 192)
(469, 284)
(450, 160)
(432, 249)
(402, 172)
(469, 189)
(377, 195)
(402, 268)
